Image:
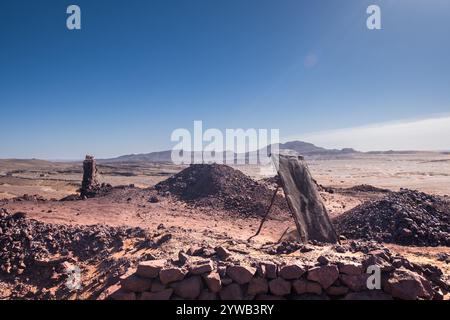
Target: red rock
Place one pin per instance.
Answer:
(258, 286)
(265, 297)
(108, 292)
(292, 271)
(280, 287)
(195, 251)
(337, 291)
(383, 254)
(231, 292)
(350, 268)
(368, 295)
(150, 269)
(302, 286)
(325, 275)
(160, 295)
(171, 274)
(268, 270)
(213, 281)
(115, 292)
(355, 283)
(226, 281)
(157, 286)
(123, 295)
(406, 285)
(377, 260)
(241, 274)
(135, 283)
(201, 267)
(222, 252)
(189, 288)
(207, 295)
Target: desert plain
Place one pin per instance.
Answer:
(176, 228)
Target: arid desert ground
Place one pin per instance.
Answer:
(169, 225)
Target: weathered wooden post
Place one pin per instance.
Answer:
(304, 201)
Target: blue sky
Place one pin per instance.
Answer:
(140, 69)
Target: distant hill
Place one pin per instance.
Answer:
(300, 147)
(161, 156)
(308, 149)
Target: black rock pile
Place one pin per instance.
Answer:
(406, 217)
(26, 242)
(220, 186)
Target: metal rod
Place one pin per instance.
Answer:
(267, 213)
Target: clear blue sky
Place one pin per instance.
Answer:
(140, 69)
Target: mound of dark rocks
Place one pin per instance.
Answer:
(407, 217)
(220, 186)
(25, 243)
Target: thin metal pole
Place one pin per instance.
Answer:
(267, 213)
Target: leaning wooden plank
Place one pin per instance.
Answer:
(303, 198)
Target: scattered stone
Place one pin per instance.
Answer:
(135, 283)
(268, 270)
(189, 288)
(325, 275)
(123, 295)
(195, 251)
(355, 282)
(201, 267)
(241, 274)
(182, 257)
(150, 269)
(163, 239)
(292, 271)
(222, 252)
(258, 286)
(207, 296)
(280, 287)
(160, 295)
(231, 292)
(213, 281)
(337, 290)
(171, 274)
(350, 268)
(322, 260)
(368, 295)
(303, 286)
(407, 285)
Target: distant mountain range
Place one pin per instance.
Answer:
(299, 147)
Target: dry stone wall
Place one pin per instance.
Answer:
(196, 278)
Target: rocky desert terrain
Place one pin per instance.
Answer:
(159, 231)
